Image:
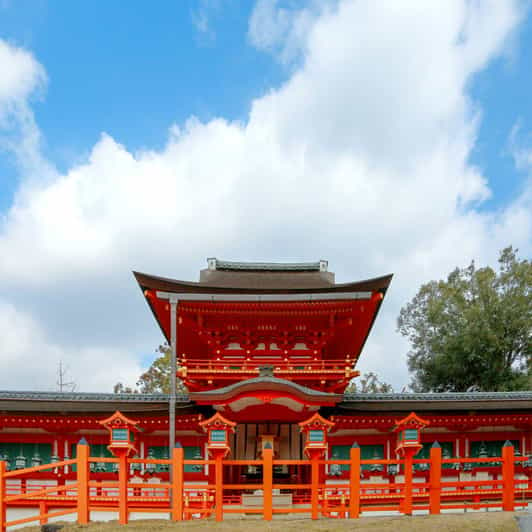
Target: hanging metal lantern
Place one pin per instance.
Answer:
(335, 469)
(494, 454)
(20, 461)
(376, 468)
(483, 451)
(150, 467)
(6, 459)
(100, 466)
(135, 466)
(36, 459)
(392, 469)
(197, 456)
(164, 467)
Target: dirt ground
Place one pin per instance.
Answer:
(481, 522)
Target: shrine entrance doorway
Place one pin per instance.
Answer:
(247, 444)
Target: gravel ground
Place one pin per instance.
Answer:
(472, 522)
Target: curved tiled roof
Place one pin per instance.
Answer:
(443, 396)
(447, 401)
(88, 397)
(154, 282)
(266, 383)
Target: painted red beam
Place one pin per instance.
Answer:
(73, 422)
(455, 422)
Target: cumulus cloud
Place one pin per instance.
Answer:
(361, 157)
(282, 31)
(31, 360)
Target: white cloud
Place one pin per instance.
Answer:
(22, 78)
(361, 157)
(202, 18)
(31, 361)
(21, 75)
(283, 31)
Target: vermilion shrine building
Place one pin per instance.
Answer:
(267, 346)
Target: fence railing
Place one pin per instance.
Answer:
(320, 495)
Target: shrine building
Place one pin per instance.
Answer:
(267, 347)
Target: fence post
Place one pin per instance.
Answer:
(315, 485)
(267, 479)
(123, 468)
(435, 478)
(354, 481)
(508, 483)
(3, 512)
(219, 486)
(82, 466)
(177, 482)
(407, 497)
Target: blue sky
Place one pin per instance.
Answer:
(133, 71)
(503, 93)
(374, 136)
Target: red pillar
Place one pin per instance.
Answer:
(177, 482)
(122, 489)
(314, 483)
(267, 479)
(2, 496)
(408, 465)
(219, 486)
(354, 482)
(508, 474)
(82, 466)
(435, 478)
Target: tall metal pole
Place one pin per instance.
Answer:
(173, 374)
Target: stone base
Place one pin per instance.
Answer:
(257, 501)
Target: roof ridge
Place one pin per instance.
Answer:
(228, 265)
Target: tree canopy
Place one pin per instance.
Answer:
(156, 379)
(368, 383)
(473, 331)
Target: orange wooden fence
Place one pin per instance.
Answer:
(322, 496)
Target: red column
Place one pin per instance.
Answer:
(122, 489)
(177, 483)
(435, 478)
(354, 482)
(82, 466)
(267, 479)
(219, 486)
(407, 500)
(314, 484)
(2, 496)
(508, 474)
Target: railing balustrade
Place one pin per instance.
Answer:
(430, 487)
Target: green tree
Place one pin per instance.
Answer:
(157, 377)
(473, 331)
(368, 383)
